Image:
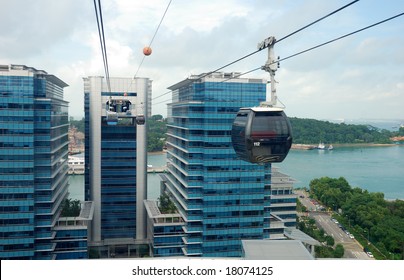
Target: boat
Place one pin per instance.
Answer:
(331, 147)
(303, 147)
(76, 165)
(321, 146)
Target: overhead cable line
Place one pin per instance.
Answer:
(158, 27)
(155, 33)
(101, 35)
(300, 29)
(319, 45)
(306, 50)
(343, 36)
(320, 19)
(162, 102)
(162, 95)
(248, 55)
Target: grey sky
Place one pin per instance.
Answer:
(361, 76)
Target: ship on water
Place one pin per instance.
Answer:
(76, 165)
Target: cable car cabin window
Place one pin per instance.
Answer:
(269, 124)
(119, 106)
(241, 119)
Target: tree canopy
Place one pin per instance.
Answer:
(166, 206)
(79, 124)
(71, 208)
(305, 131)
(370, 212)
(156, 133)
(310, 131)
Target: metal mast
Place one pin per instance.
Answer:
(271, 65)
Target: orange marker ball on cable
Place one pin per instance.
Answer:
(147, 51)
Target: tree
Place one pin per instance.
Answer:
(382, 220)
(166, 205)
(324, 252)
(156, 133)
(71, 208)
(310, 131)
(339, 251)
(93, 254)
(329, 240)
(78, 124)
(157, 117)
(401, 131)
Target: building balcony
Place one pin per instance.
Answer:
(283, 196)
(275, 205)
(193, 240)
(45, 247)
(45, 235)
(280, 213)
(191, 252)
(190, 229)
(44, 223)
(45, 198)
(277, 224)
(195, 218)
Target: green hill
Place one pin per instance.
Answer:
(310, 131)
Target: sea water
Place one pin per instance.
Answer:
(374, 168)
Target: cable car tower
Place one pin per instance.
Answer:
(263, 134)
(270, 66)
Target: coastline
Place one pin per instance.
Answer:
(358, 145)
(365, 145)
(157, 153)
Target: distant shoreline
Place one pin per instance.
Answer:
(157, 153)
(356, 145)
(365, 145)
(298, 146)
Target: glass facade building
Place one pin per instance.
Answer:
(283, 199)
(33, 161)
(165, 231)
(72, 234)
(115, 158)
(222, 199)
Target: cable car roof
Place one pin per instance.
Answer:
(263, 109)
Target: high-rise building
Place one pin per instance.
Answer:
(115, 161)
(165, 231)
(283, 199)
(221, 198)
(33, 161)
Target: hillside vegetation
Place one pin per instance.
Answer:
(367, 213)
(156, 133)
(310, 131)
(305, 131)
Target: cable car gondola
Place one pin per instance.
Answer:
(140, 119)
(261, 134)
(112, 118)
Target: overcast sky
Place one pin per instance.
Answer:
(361, 76)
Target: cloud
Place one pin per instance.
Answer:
(37, 27)
(348, 77)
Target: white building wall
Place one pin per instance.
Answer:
(142, 86)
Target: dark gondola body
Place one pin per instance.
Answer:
(140, 119)
(261, 134)
(121, 108)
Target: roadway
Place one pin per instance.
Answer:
(353, 250)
